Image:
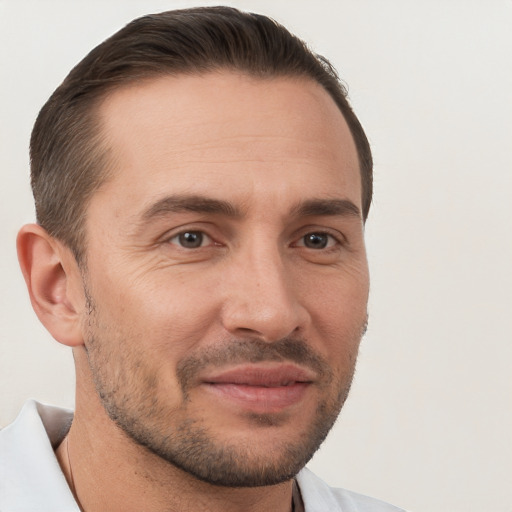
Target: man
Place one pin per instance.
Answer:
(201, 186)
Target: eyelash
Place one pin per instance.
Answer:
(331, 243)
(202, 234)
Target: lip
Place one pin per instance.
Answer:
(260, 388)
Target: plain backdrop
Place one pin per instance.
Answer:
(428, 425)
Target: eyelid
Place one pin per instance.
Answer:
(330, 244)
(207, 239)
(297, 240)
(172, 234)
(336, 235)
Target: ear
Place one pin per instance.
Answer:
(54, 283)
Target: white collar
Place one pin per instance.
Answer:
(30, 475)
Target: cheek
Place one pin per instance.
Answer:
(164, 317)
(338, 296)
(338, 310)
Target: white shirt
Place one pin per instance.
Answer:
(31, 479)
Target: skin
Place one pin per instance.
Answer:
(258, 169)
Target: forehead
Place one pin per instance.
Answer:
(225, 131)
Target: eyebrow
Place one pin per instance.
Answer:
(321, 207)
(201, 204)
(190, 203)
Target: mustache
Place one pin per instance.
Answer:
(233, 352)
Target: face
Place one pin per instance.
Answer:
(226, 272)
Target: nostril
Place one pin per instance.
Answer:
(246, 330)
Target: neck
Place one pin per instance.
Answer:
(107, 471)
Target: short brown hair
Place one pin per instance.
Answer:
(68, 161)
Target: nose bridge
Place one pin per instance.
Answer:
(261, 298)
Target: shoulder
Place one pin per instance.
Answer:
(319, 497)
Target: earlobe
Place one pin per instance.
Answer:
(51, 277)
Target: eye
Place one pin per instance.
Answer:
(317, 240)
(191, 239)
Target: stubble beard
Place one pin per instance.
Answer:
(130, 395)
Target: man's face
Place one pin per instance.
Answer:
(226, 272)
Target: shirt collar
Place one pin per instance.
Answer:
(30, 475)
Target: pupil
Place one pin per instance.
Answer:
(191, 239)
(315, 241)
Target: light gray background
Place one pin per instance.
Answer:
(428, 425)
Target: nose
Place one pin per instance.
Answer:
(261, 298)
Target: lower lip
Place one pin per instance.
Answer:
(260, 399)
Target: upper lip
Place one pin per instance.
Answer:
(282, 374)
